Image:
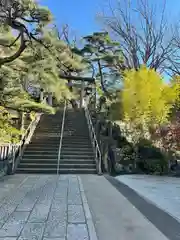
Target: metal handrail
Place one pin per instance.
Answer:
(61, 137)
(94, 141)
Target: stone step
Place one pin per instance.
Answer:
(77, 148)
(46, 148)
(54, 171)
(68, 155)
(69, 138)
(41, 147)
(53, 145)
(80, 156)
(77, 161)
(55, 152)
(75, 135)
(41, 155)
(77, 145)
(41, 152)
(38, 156)
(49, 125)
(51, 130)
(77, 129)
(67, 134)
(77, 166)
(56, 136)
(37, 165)
(54, 161)
(76, 126)
(51, 137)
(76, 152)
(76, 141)
(54, 165)
(38, 161)
(80, 134)
(48, 134)
(48, 141)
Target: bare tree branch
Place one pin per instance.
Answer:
(142, 33)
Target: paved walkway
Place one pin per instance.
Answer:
(84, 207)
(162, 191)
(114, 216)
(44, 207)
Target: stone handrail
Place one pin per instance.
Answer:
(10, 153)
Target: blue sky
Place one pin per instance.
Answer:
(80, 15)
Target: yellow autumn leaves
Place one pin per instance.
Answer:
(146, 98)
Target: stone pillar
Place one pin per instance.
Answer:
(50, 99)
(82, 94)
(95, 93)
(22, 123)
(109, 125)
(41, 95)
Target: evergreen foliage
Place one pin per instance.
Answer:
(31, 54)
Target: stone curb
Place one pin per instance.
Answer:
(90, 224)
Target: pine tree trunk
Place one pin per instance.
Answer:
(101, 77)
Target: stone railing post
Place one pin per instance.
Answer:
(50, 99)
(41, 95)
(82, 95)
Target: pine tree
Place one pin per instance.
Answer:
(33, 54)
(21, 22)
(103, 56)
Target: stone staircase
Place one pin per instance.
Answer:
(41, 155)
(77, 153)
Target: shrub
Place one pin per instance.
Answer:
(151, 158)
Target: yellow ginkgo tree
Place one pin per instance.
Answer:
(146, 99)
(175, 85)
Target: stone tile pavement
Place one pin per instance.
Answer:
(162, 191)
(45, 207)
(117, 218)
(50, 207)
